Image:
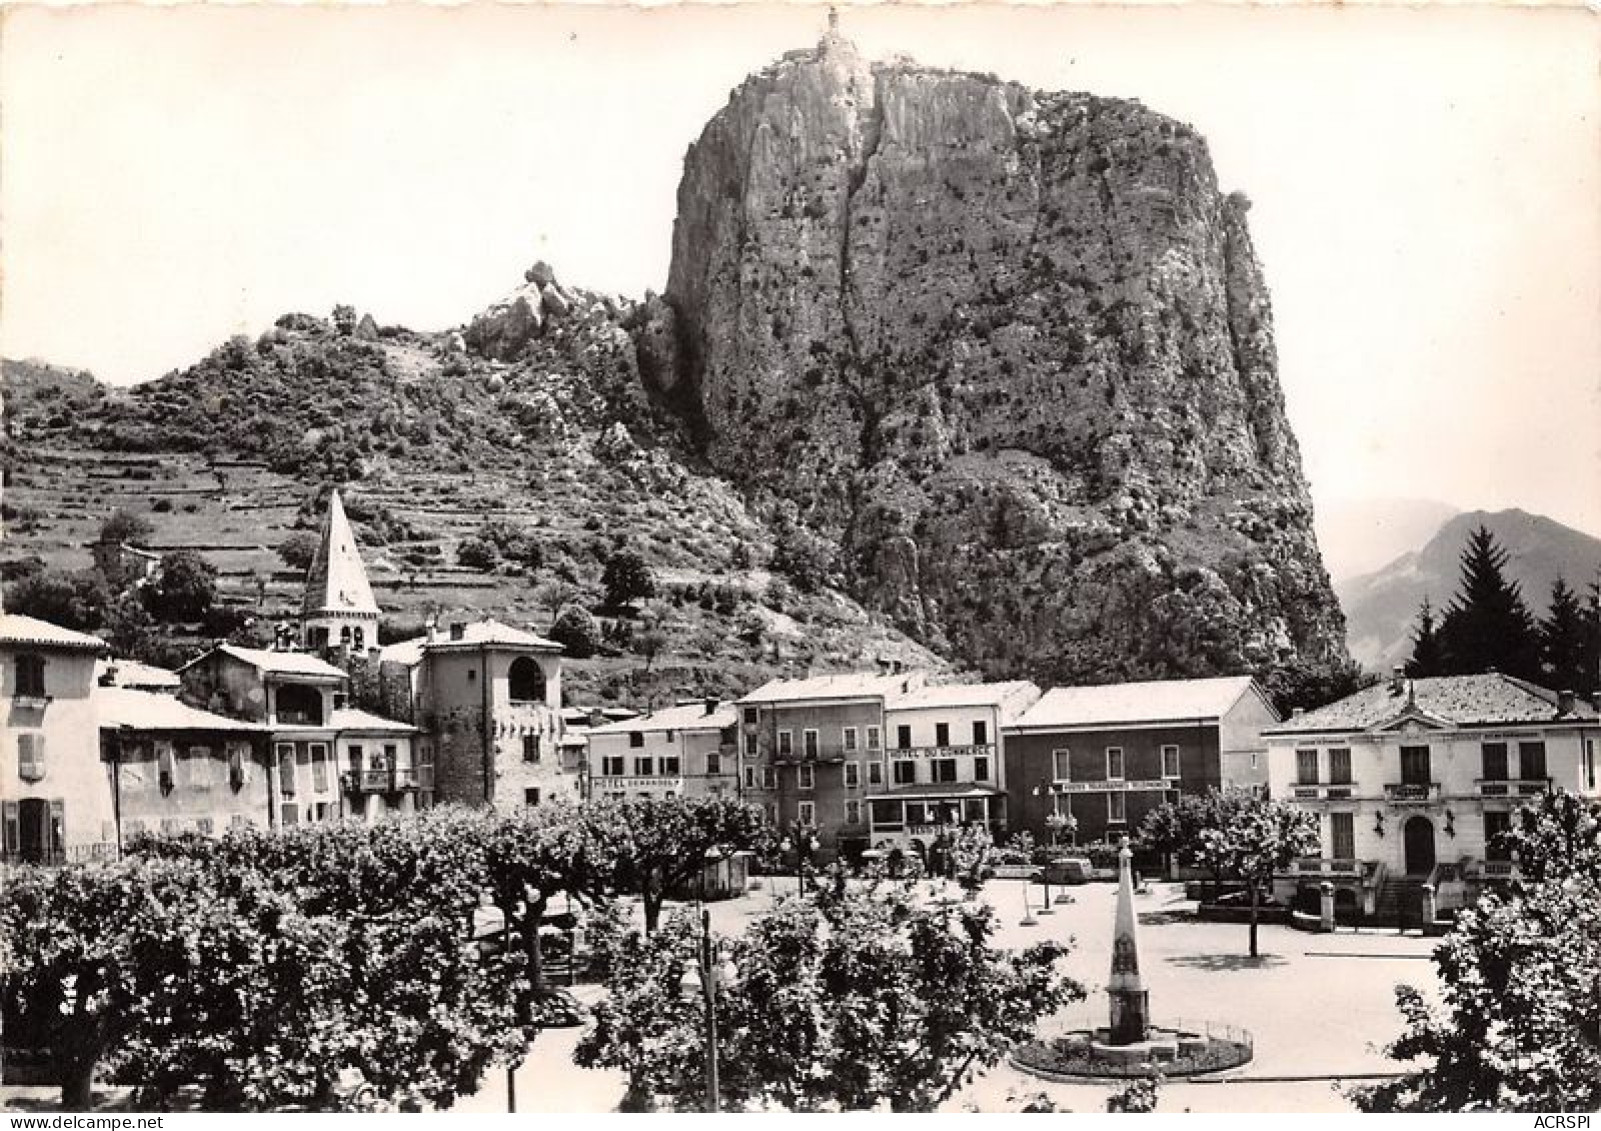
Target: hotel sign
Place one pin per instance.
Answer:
(1144, 786)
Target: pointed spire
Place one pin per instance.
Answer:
(1130, 1004)
(337, 582)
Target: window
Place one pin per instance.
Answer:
(806, 812)
(1493, 755)
(904, 771)
(714, 765)
(319, 767)
(981, 768)
(1115, 812)
(30, 757)
(1589, 764)
(299, 705)
(786, 743)
(203, 826)
(981, 733)
(853, 812)
(944, 770)
(531, 752)
(875, 773)
(1340, 765)
(636, 738)
(1170, 761)
(805, 776)
(903, 738)
(769, 777)
(1306, 767)
(873, 739)
(239, 764)
(942, 734)
(1061, 765)
(30, 675)
(1342, 836)
(645, 767)
(238, 821)
(531, 796)
(613, 766)
(167, 765)
(809, 744)
(750, 777)
(848, 740)
(1114, 763)
(526, 681)
(853, 775)
(1415, 765)
(1494, 825)
(289, 813)
(200, 775)
(672, 767)
(770, 811)
(750, 716)
(355, 757)
(1531, 761)
(359, 638)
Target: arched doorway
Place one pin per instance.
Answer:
(1418, 838)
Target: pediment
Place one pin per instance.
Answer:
(1412, 720)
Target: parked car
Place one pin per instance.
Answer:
(559, 1009)
(1070, 870)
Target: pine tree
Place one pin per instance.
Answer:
(1427, 656)
(1562, 640)
(1487, 626)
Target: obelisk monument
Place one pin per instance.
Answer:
(1130, 1000)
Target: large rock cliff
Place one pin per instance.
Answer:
(1013, 351)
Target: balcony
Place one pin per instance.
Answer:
(1322, 791)
(1514, 787)
(1412, 793)
(1483, 870)
(1314, 866)
(388, 781)
(71, 854)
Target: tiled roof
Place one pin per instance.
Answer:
(489, 633)
(337, 581)
(842, 685)
(686, 716)
(1125, 704)
(132, 673)
(18, 629)
(118, 707)
(1462, 700)
(354, 719)
(961, 695)
(277, 663)
(408, 652)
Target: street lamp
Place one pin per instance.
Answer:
(709, 974)
(491, 930)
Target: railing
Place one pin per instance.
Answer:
(388, 781)
(71, 854)
(1494, 870)
(1320, 866)
(1412, 793)
(1513, 787)
(1326, 791)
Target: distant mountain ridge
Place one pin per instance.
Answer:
(1381, 607)
(1360, 536)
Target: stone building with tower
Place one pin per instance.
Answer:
(338, 609)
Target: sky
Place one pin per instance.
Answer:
(1425, 186)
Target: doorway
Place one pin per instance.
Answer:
(1418, 838)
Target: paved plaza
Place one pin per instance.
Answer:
(1320, 1007)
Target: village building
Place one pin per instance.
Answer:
(805, 748)
(55, 803)
(1103, 757)
(942, 762)
(1411, 780)
(487, 697)
(173, 768)
(689, 750)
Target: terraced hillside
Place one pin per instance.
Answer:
(430, 441)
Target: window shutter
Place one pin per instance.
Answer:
(30, 756)
(13, 830)
(58, 828)
(165, 769)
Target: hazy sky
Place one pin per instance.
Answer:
(1425, 185)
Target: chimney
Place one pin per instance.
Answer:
(431, 627)
(1397, 680)
(340, 700)
(458, 630)
(1565, 701)
(1298, 712)
(108, 678)
(883, 665)
(711, 705)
